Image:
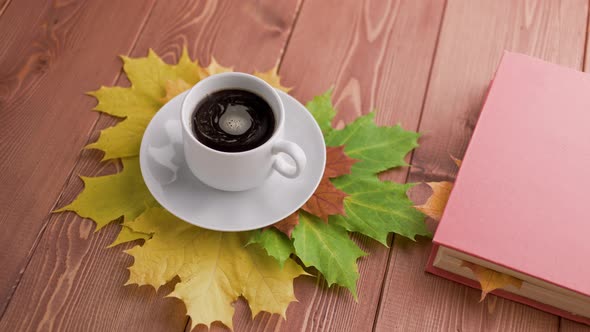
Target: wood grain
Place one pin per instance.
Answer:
(72, 282)
(567, 325)
(44, 70)
(587, 48)
(3, 5)
(473, 36)
(363, 54)
(56, 273)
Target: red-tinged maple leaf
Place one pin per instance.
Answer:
(286, 225)
(337, 162)
(327, 200)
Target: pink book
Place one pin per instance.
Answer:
(521, 201)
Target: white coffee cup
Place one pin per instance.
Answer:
(237, 171)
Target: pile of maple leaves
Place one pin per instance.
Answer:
(215, 268)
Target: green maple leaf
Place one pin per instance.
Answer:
(377, 148)
(329, 249)
(109, 197)
(323, 112)
(274, 242)
(376, 208)
(373, 208)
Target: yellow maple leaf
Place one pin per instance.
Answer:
(215, 68)
(124, 139)
(490, 280)
(174, 88)
(214, 268)
(272, 77)
(127, 235)
(436, 203)
(138, 103)
(109, 197)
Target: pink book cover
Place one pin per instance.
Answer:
(522, 193)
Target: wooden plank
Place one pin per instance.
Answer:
(375, 55)
(473, 36)
(3, 5)
(72, 282)
(44, 69)
(567, 325)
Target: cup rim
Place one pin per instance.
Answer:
(274, 93)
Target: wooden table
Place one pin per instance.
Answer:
(425, 64)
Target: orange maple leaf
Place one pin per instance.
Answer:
(457, 161)
(436, 203)
(490, 280)
(327, 200)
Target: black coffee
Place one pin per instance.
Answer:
(233, 121)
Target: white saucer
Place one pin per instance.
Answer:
(174, 186)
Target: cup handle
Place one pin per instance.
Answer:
(295, 152)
